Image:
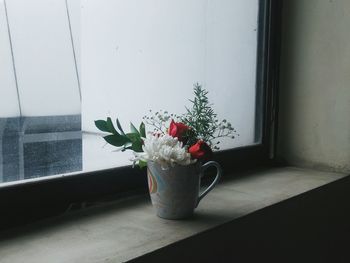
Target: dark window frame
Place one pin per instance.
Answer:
(29, 201)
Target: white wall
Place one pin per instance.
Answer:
(8, 95)
(139, 55)
(315, 85)
(43, 53)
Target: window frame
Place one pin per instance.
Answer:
(30, 201)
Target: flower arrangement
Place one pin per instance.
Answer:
(173, 140)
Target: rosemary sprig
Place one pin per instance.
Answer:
(204, 121)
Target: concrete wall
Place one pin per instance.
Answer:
(315, 84)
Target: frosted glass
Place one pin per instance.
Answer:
(44, 59)
(74, 9)
(8, 94)
(139, 55)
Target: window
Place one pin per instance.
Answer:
(66, 63)
(40, 107)
(142, 55)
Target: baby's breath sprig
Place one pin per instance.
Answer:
(159, 120)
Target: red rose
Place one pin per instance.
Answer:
(178, 129)
(200, 150)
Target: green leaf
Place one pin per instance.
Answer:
(133, 136)
(133, 129)
(117, 140)
(110, 126)
(142, 164)
(120, 127)
(102, 125)
(137, 146)
(136, 141)
(142, 130)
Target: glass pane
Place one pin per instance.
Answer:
(140, 55)
(42, 48)
(40, 123)
(66, 63)
(8, 94)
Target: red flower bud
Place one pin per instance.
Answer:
(178, 129)
(200, 150)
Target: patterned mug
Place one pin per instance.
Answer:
(175, 192)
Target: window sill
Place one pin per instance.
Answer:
(123, 230)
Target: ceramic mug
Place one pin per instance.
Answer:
(175, 192)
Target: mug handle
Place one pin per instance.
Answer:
(216, 180)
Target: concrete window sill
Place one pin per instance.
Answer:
(126, 229)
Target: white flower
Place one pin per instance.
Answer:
(165, 150)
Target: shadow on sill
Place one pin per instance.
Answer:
(311, 227)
